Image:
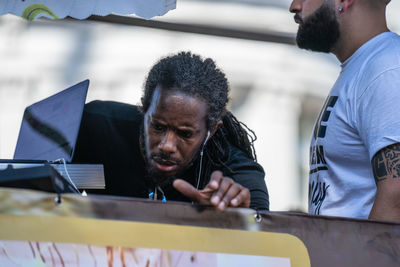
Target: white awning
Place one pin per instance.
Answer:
(81, 9)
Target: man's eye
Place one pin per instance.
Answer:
(185, 134)
(157, 127)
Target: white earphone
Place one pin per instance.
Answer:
(201, 159)
(205, 140)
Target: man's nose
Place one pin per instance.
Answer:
(168, 143)
(295, 7)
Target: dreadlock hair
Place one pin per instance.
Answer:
(202, 79)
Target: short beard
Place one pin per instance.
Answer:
(160, 179)
(320, 31)
(157, 178)
(152, 175)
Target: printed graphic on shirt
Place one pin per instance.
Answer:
(318, 189)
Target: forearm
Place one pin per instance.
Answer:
(254, 181)
(259, 199)
(250, 175)
(386, 168)
(384, 210)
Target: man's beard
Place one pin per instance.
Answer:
(320, 31)
(157, 177)
(161, 179)
(154, 176)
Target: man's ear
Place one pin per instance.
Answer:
(346, 4)
(215, 128)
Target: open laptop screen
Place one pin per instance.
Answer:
(50, 127)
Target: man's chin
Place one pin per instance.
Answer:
(313, 45)
(320, 31)
(161, 178)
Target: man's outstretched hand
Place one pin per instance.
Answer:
(220, 192)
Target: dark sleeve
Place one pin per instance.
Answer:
(251, 175)
(109, 135)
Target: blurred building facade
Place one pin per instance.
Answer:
(276, 89)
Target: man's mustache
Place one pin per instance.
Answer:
(298, 19)
(165, 158)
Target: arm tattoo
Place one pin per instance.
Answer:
(387, 163)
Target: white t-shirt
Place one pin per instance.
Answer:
(361, 116)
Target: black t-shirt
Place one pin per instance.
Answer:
(109, 135)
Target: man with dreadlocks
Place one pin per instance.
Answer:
(181, 144)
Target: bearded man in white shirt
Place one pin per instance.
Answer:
(355, 147)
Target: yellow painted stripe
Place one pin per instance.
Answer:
(151, 235)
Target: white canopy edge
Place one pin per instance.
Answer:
(81, 9)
